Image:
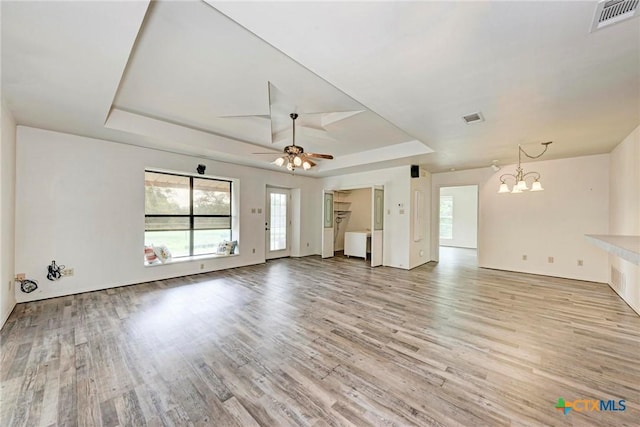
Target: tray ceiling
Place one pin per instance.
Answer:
(375, 83)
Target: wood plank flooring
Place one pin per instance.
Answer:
(312, 342)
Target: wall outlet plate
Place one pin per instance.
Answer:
(68, 272)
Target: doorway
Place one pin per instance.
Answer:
(458, 230)
(353, 222)
(278, 223)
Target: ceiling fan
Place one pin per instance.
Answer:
(294, 155)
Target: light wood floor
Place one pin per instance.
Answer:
(324, 342)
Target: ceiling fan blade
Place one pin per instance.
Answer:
(320, 156)
(272, 154)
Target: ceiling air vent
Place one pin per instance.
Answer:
(611, 12)
(475, 117)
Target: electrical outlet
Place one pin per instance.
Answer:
(253, 250)
(20, 276)
(253, 210)
(550, 260)
(580, 263)
(259, 210)
(68, 272)
(524, 257)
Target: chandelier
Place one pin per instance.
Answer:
(520, 177)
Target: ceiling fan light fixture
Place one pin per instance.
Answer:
(294, 155)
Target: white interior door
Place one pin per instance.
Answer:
(278, 223)
(377, 225)
(327, 224)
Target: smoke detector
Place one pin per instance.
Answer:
(476, 117)
(611, 12)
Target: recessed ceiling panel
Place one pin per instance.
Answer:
(195, 67)
(533, 68)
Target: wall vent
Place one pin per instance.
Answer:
(611, 12)
(476, 117)
(617, 280)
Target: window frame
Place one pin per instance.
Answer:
(191, 215)
(440, 217)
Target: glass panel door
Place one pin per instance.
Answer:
(278, 220)
(327, 224)
(378, 209)
(377, 226)
(277, 223)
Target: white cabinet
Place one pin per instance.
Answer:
(357, 243)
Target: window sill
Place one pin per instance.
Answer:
(192, 258)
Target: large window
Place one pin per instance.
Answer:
(446, 217)
(189, 215)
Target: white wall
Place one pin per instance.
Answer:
(360, 217)
(296, 218)
(540, 224)
(84, 210)
(80, 201)
(624, 201)
(7, 213)
(420, 217)
(397, 202)
(465, 216)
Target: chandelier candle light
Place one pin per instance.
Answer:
(520, 177)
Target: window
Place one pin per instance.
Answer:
(446, 217)
(189, 215)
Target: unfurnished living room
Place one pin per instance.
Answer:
(315, 213)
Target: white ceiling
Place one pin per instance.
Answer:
(375, 83)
